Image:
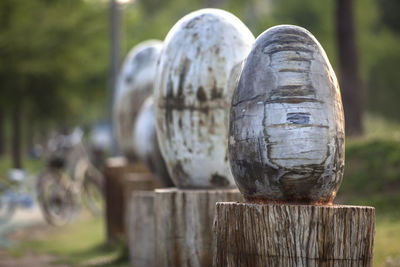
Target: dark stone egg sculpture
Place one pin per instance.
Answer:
(286, 137)
(197, 71)
(145, 142)
(135, 83)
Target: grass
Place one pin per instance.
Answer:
(77, 244)
(372, 177)
(377, 127)
(387, 241)
(31, 166)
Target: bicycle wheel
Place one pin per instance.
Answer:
(57, 199)
(7, 209)
(93, 193)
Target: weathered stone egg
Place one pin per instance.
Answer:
(286, 131)
(145, 142)
(134, 85)
(197, 70)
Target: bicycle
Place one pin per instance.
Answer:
(16, 191)
(69, 181)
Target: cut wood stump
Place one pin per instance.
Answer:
(183, 223)
(293, 235)
(141, 229)
(115, 169)
(136, 181)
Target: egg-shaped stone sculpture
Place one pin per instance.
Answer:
(135, 83)
(286, 136)
(197, 70)
(145, 142)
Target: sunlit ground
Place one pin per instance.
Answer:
(387, 243)
(79, 243)
(372, 177)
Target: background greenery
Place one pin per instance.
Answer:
(54, 65)
(55, 54)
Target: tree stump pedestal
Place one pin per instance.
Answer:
(141, 229)
(137, 182)
(183, 223)
(139, 216)
(115, 170)
(293, 235)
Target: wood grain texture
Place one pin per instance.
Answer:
(183, 220)
(198, 67)
(137, 181)
(146, 145)
(114, 171)
(141, 229)
(287, 128)
(293, 235)
(134, 85)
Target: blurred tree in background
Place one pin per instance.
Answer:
(381, 74)
(55, 54)
(53, 64)
(349, 77)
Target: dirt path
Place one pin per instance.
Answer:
(22, 218)
(28, 259)
(25, 224)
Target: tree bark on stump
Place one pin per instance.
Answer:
(136, 181)
(141, 229)
(114, 171)
(183, 223)
(293, 235)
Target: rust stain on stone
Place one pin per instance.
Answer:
(295, 201)
(182, 77)
(219, 180)
(216, 93)
(201, 94)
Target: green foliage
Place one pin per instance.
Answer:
(152, 19)
(376, 34)
(372, 169)
(53, 56)
(372, 166)
(32, 166)
(57, 63)
(372, 178)
(390, 14)
(383, 85)
(316, 16)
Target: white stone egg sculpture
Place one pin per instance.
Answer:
(145, 142)
(287, 136)
(196, 74)
(135, 83)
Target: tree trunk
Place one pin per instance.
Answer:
(293, 235)
(2, 132)
(349, 77)
(16, 136)
(114, 199)
(29, 135)
(114, 173)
